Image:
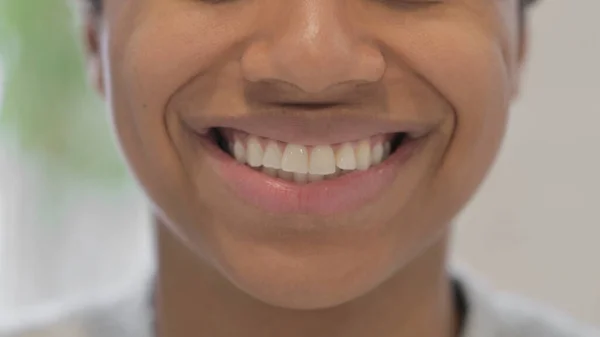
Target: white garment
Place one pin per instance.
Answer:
(488, 314)
(495, 314)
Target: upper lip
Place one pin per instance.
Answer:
(318, 130)
(343, 113)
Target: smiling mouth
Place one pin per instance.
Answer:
(289, 165)
(304, 164)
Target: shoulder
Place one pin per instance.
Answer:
(497, 314)
(531, 320)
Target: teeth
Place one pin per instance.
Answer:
(239, 152)
(295, 159)
(377, 154)
(345, 158)
(363, 155)
(272, 157)
(322, 160)
(254, 153)
(301, 178)
(270, 171)
(302, 165)
(289, 176)
(337, 173)
(315, 177)
(345, 172)
(387, 147)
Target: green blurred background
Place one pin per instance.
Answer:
(72, 223)
(49, 110)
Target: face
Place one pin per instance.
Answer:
(308, 150)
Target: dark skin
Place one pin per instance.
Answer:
(377, 270)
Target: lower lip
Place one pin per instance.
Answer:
(348, 192)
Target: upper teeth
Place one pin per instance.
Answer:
(302, 163)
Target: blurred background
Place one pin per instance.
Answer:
(74, 229)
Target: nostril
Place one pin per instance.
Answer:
(313, 65)
(309, 106)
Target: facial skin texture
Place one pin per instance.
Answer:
(164, 65)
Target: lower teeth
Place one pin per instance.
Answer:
(301, 178)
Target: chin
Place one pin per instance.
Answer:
(317, 279)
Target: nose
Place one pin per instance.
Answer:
(313, 45)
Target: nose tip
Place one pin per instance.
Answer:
(314, 71)
(313, 51)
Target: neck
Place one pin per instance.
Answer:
(193, 299)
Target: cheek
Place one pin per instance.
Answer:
(151, 52)
(164, 51)
(148, 57)
(472, 68)
(468, 68)
(472, 71)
